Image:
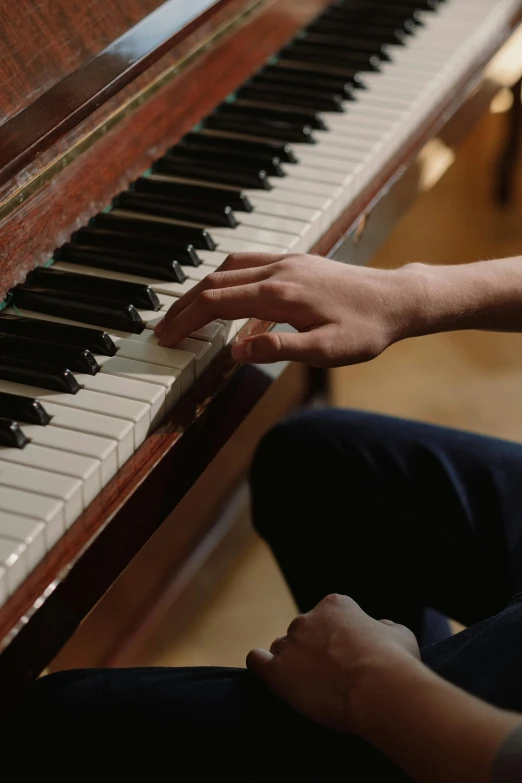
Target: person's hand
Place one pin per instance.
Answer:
(317, 666)
(343, 314)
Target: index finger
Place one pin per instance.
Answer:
(235, 262)
(228, 304)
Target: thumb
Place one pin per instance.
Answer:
(279, 346)
(259, 663)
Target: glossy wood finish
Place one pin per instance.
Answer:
(77, 95)
(44, 41)
(87, 185)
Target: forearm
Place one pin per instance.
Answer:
(484, 295)
(434, 731)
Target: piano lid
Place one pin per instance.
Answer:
(86, 57)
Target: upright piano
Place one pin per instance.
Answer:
(140, 143)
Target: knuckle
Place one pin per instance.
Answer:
(207, 297)
(297, 625)
(231, 261)
(215, 279)
(334, 599)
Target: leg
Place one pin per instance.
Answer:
(397, 514)
(208, 720)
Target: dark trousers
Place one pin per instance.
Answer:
(399, 515)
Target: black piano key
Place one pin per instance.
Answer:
(393, 10)
(383, 33)
(381, 43)
(120, 261)
(154, 229)
(210, 172)
(293, 117)
(254, 126)
(158, 251)
(11, 435)
(334, 40)
(136, 294)
(272, 165)
(289, 94)
(380, 14)
(326, 56)
(94, 340)
(373, 17)
(284, 152)
(31, 373)
(318, 74)
(154, 204)
(56, 355)
(195, 194)
(25, 409)
(319, 68)
(79, 307)
(326, 85)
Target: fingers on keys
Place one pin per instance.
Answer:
(228, 293)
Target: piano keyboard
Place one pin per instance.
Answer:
(82, 378)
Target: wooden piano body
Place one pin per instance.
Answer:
(89, 97)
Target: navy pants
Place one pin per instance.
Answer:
(415, 522)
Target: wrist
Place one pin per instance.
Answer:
(430, 297)
(447, 298)
(381, 685)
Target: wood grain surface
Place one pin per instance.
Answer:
(43, 41)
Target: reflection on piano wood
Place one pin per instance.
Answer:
(209, 128)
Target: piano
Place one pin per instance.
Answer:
(138, 147)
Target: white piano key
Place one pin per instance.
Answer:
(310, 174)
(290, 242)
(202, 352)
(85, 469)
(74, 442)
(151, 353)
(13, 565)
(152, 395)
(151, 317)
(198, 351)
(275, 223)
(43, 482)
(193, 273)
(96, 402)
(168, 377)
(315, 188)
(230, 330)
(211, 336)
(214, 334)
(236, 245)
(318, 201)
(119, 430)
(292, 211)
(26, 529)
(212, 258)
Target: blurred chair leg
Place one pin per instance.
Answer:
(509, 158)
(318, 384)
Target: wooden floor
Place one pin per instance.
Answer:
(467, 380)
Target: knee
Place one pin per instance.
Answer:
(297, 459)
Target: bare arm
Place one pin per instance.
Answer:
(432, 730)
(345, 314)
